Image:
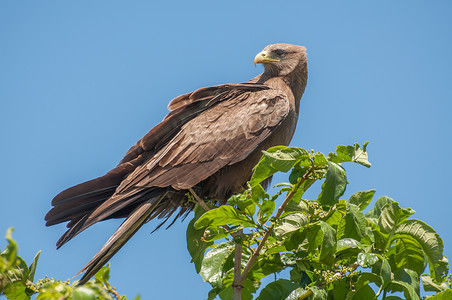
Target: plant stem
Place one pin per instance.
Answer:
(305, 295)
(199, 200)
(237, 288)
(256, 252)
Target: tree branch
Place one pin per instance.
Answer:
(236, 287)
(256, 252)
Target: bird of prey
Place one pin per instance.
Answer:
(208, 144)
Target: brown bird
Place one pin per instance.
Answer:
(209, 142)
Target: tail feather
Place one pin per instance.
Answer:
(90, 188)
(71, 232)
(127, 229)
(60, 199)
(71, 211)
(84, 220)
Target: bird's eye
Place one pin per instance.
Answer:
(280, 52)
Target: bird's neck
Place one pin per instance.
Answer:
(295, 82)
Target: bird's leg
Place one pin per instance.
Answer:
(199, 200)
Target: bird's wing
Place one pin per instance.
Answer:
(222, 135)
(183, 109)
(75, 203)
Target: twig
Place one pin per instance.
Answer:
(270, 230)
(237, 288)
(114, 292)
(200, 201)
(305, 295)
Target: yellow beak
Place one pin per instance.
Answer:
(264, 57)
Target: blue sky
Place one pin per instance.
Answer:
(82, 81)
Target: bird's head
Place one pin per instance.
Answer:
(281, 59)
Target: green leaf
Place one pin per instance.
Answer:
(338, 212)
(13, 266)
(353, 224)
(408, 276)
(16, 291)
(365, 292)
(444, 295)
(83, 293)
(431, 244)
(296, 198)
(284, 158)
(329, 240)
(297, 293)
(385, 274)
(347, 243)
(296, 173)
(366, 260)
(375, 212)
(279, 158)
(320, 160)
(267, 265)
(302, 277)
(340, 289)
(318, 293)
(265, 211)
(409, 255)
(103, 275)
(362, 199)
(213, 233)
(213, 262)
(195, 244)
(279, 289)
(33, 266)
(258, 192)
(351, 154)
(290, 223)
(334, 185)
(223, 215)
(431, 286)
(306, 240)
(10, 251)
(408, 290)
(366, 278)
(297, 206)
(54, 290)
(248, 200)
(227, 293)
(379, 238)
(213, 293)
(348, 247)
(392, 215)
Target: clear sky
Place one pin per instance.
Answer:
(82, 81)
